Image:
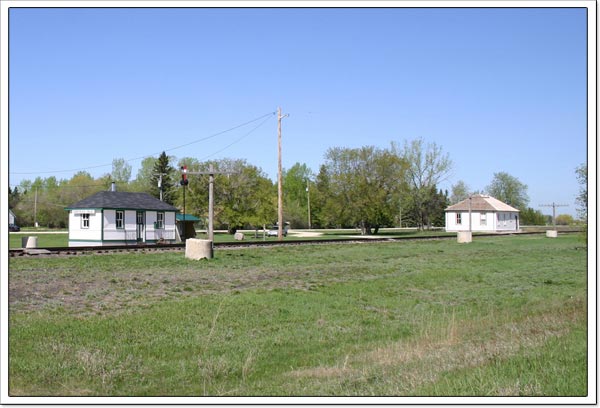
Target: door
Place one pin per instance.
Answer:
(140, 222)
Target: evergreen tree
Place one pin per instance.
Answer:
(162, 178)
(14, 196)
(529, 216)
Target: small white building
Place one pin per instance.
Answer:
(121, 218)
(11, 217)
(487, 215)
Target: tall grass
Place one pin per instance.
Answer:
(499, 316)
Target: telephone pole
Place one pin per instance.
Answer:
(160, 186)
(35, 209)
(211, 200)
(279, 180)
(554, 205)
(308, 199)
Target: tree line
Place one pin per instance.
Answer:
(367, 188)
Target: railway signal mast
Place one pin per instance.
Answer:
(184, 182)
(554, 205)
(211, 181)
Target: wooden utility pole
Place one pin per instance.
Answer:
(553, 205)
(211, 199)
(470, 214)
(160, 183)
(308, 199)
(279, 179)
(35, 224)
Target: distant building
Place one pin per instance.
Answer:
(11, 217)
(121, 218)
(487, 215)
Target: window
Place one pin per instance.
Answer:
(160, 220)
(458, 218)
(85, 220)
(483, 220)
(120, 216)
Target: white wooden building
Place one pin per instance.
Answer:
(487, 215)
(121, 218)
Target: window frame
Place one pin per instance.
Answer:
(85, 221)
(120, 220)
(483, 219)
(160, 220)
(458, 218)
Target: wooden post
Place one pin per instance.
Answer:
(279, 180)
(211, 197)
(211, 203)
(308, 199)
(554, 205)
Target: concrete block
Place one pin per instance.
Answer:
(551, 234)
(29, 242)
(239, 236)
(464, 237)
(198, 249)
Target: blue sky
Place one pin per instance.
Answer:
(500, 89)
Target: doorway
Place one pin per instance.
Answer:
(140, 223)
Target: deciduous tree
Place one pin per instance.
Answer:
(428, 165)
(509, 189)
(363, 186)
(460, 192)
(582, 198)
(295, 204)
(121, 171)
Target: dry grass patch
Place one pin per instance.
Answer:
(454, 345)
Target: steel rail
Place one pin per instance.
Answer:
(108, 249)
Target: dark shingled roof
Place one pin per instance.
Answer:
(123, 200)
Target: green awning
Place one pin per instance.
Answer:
(188, 217)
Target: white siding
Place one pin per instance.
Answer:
(476, 218)
(119, 235)
(170, 226)
(166, 233)
(505, 221)
(79, 236)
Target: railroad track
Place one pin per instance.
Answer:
(99, 250)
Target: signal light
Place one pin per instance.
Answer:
(184, 180)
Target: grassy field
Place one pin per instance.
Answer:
(502, 316)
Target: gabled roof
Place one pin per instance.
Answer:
(481, 202)
(123, 200)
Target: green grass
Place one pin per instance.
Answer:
(499, 316)
(60, 239)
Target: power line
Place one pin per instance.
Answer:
(203, 158)
(151, 155)
(236, 141)
(61, 186)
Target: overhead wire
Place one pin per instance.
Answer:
(236, 141)
(268, 115)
